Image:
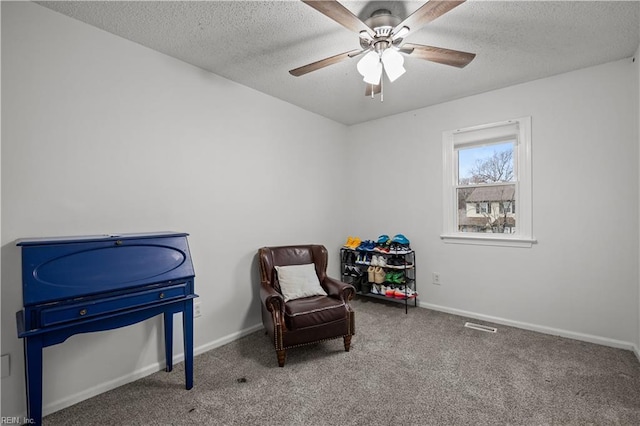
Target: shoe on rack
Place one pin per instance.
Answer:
(383, 239)
(405, 293)
(379, 275)
(395, 248)
(365, 245)
(357, 272)
(391, 292)
(400, 239)
(349, 242)
(355, 243)
(399, 293)
(404, 249)
(375, 289)
(374, 260)
(382, 261)
(382, 249)
(371, 274)
(411, 293)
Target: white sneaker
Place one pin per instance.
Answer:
(374, 260)
(382, 261)
(406, 293)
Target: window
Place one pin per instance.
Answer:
(508, 207)
(487, 170)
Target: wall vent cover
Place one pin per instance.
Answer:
(480, 327)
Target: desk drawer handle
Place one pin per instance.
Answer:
(83, 312)
(161, 295)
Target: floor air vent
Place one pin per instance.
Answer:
(480, 327)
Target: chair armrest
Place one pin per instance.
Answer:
(339, 289)
(271, 299)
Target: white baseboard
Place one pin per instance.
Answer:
(539, 328)
(637, 352)
(70, 400)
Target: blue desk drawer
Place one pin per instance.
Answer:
(89, 308)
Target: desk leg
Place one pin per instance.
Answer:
(168, 340)
(187, 326)
(33, 376)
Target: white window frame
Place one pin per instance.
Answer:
(521, 129)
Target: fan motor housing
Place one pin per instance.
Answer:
(382, 22)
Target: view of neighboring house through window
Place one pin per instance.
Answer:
(487, 197)
(485, 202)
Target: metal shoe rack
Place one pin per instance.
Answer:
(354, 266)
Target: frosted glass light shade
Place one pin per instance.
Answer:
(393, 64)
(368, 63)
(373, 76)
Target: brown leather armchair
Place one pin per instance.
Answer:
(309, 319)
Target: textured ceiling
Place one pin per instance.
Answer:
(255, 43)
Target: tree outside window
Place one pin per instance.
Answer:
(483, 171)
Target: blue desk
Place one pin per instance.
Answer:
(84, 284)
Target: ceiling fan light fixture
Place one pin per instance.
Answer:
(373, 76)
(368, 63)
(393, 64)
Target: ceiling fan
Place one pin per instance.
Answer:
(382, 41)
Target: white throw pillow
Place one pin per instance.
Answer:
(298, 281)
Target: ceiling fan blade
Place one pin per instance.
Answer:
(297, 72)
(377, 88)
(340, 14)
(455, 58)
(427, 13)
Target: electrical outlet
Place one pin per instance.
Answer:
(196, 309)
(436, 278)
(5, 366)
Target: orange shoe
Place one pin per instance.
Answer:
(349, 242)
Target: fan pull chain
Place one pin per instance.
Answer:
(381, 88)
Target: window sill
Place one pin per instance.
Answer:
(487, 240)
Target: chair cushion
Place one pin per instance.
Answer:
(298, 281)
(313, 311)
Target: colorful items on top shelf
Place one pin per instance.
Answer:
(399, 244)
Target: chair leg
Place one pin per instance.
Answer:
(347, 343)
(281, 357)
